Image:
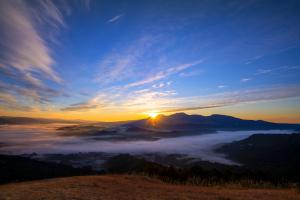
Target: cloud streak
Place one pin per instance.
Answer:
(8, 101)
(80, 107)
(115, 18)
(276, 69)
(145, 100)
(122, 64)
(236, 98)
(222, 86)
(26, 60)
(189, 108)
(22, 47)
(244, 80)
(163, 74)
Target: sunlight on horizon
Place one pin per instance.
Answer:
(153, 115)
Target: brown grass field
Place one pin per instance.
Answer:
(119, 187)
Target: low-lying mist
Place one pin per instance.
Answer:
(45, 139)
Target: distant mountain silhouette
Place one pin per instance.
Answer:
(182, 121)
(175, 122)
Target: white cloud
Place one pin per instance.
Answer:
(238, 97)
(251, 60)
(276, 69)
(119, 99)
(114, 19)
(123, 63)
(160, 85)
(163, 74)
(221, 86)
(26, 60)
(244, 80)
(22, 46)
(191, 73)
(8, 101)
(80, 107)
(263, 71)
(103, 99)
(168, 101)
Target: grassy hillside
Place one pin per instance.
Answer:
(133, 187)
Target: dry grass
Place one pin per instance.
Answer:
(132, 187)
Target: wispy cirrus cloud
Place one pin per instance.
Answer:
(35, 94)
(145, 100)
(22, 46)
(80, 107)
(149, 99)
(263, 71)
(189, 108)
(236, 98)
(163, 74)
(270, 70)
(26, 59)
(162, 84)
(120, 99)
(276, 69)
(103, 99)
(191, 73)
(128, 62)
(123, 63)
(254, 59)
(244, 80)
(222, 86)
(9, 101)
(115, 18)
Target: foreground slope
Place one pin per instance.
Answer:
(132, 187)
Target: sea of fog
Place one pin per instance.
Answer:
(44, 139)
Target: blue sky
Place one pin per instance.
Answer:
(116, 60)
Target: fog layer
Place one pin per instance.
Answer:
(42, 139)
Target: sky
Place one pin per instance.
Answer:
(121, 60)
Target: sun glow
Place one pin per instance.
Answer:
(152, 115)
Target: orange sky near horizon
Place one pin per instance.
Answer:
(258, 111)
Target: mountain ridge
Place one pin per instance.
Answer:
(179, 121)
(175, 122)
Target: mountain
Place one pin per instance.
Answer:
(276, 153)
(175, 122)
(182, 121)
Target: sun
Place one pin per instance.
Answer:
(152, 115)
